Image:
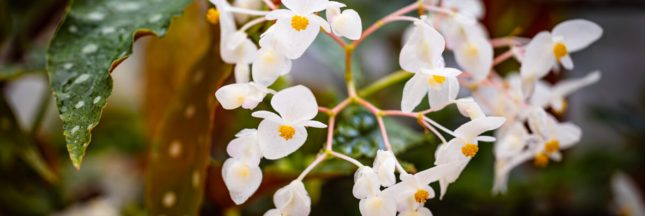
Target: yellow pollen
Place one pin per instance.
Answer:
(552, 146)
(421, 196)
(541, 160)
(563, 108)
(212, 16)
(299, 23)
(469, 150)
(436, 80)
(286, 132)
(243, 171)
(560, 50)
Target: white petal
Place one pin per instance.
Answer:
(279, 14)
(421, 211)
(274, 146)
(305, 6)
(293, 199)
(321, 22)
(470, 8)
(475, 127)
(567, 87)
(333, 10)
(446, 93)
(537, 61)
(377, 206)
(423, 49)
(348, 25)
(568, 134)
(269, 65)
(486, 138)
(267, 115)
(232, 96)
(469, 108)
(435, 173)
(475, 56)
(315, 124)
(241, 179)
(295, 104)
(294, 43)
(241, 49)
(245, 147)
(577, 34)
(273, 212)
(384, 165)
(413, 92)
(242, 73)
(542, 94)
(366, 183)
(567, 62)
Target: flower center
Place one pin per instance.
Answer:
(560, 50)
(212, 16)
(436, 80)
(299, 23)
(541, 160)
(243, 171)
(421, 196)
(472, 50)
(286, 131)
(469, 150)
(551, 146)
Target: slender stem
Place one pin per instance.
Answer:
(330, 131)
(386, 140)
(311, 166)
(400, 168)
(420, 117)
(376, 111)
(404, 18)
(336, 38)
(434, 123)
(248, 11)
(341, 106)
(434, 130)
(385, 82)
(324, 110)
(503, 57)
(346, 158)
(270, 4)
(349, 77)
(509, 41)
(384, 21)
(252, 23)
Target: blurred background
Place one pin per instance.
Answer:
(150, 87)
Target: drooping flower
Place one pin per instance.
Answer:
(413, 191)
(347, 24)
(241, 173)
(511, 149)
(292, 199)
(463, 147)
(367, 188)
(269, 63)
(548, 49)
(283, 134)
(546, 95)
(384, 165)
(469, 108)
(236, 47)
(297, 26)
(245, 95)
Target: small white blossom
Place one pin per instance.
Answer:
(384, 165)
(373, 200)
(292, 199)
(297, 26)
(546, 95)
(627, 195)
(347, 24)
(236, 47)
(283, 134)
(269, 63)
(547, 49)
(414, 190)
(553, 135)
(245, 95)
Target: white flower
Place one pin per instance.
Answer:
(546, 95)
(413, 190)
(385, 163)
(627, 195)
(269, 64)
(547, 49)
(421, 211)
(241, 172)
(421, 55)
(245, 95)
(347, 24)
(469, 108)
(297, 26)
(291, 200)
(463, 147)
(281, 135)
(469, 8)
(368, 189)
(236, 47)
(511, 150)
(554, 135)
(473, 50)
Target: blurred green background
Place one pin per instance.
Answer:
(37, 178)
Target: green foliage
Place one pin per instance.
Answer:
(92, 39)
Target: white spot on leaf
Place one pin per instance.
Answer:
(96, 99)
(127, 6)
(190, 111)
(174, 150)
(68, 66)
(79, 104)
(90, 48)
(81, 78)
(155, 18)
(75, 129)
(195, 179)
(168, 199)
(95, 16)
(107, 30)
(72, 29)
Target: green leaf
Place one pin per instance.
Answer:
(92, 39)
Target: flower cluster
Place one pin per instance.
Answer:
(507, 103)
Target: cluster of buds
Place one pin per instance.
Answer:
(508, 103)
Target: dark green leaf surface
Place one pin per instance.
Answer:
(93, 38)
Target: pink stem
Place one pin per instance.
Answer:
(503, 57)
(336, 38)
(330, 132)
(311, 166)
(384, 21)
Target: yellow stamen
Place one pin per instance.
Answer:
(243, 171)
(563, 108)
(299, 23)
(469, 150)
(421, 196)
(552, 146)
(541, 160)
(560, 50)
(286, 131)
(212, 15)
(436, 80)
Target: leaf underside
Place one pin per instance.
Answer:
(93, 38)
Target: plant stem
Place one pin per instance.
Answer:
(393, 78)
